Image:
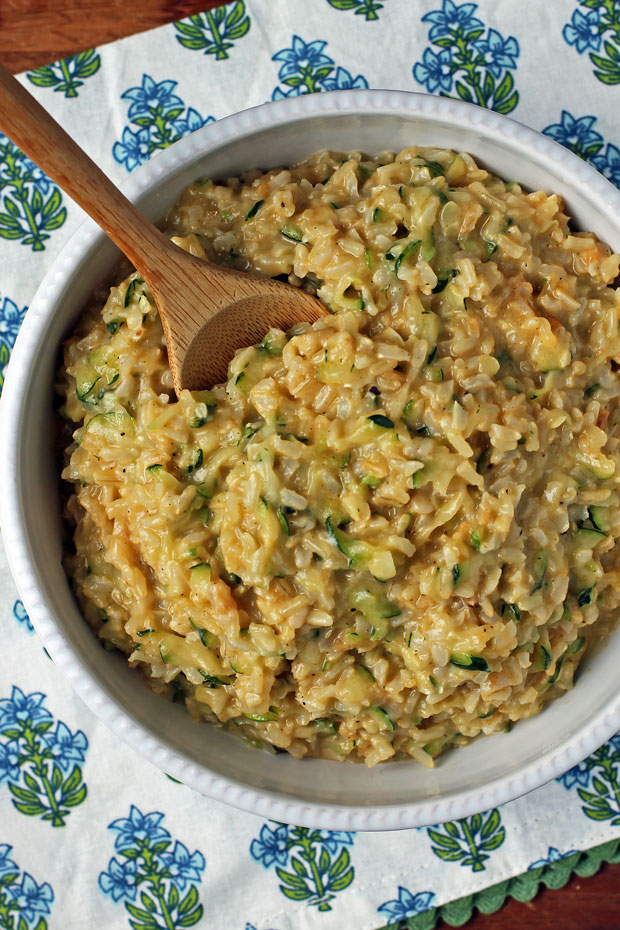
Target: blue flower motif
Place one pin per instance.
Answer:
(137, 827)
(33, 757)
(553, 855)
(283, 94)
(452, 17)
(578, 775)
(120, 879)
(151, 97)
(31, 172)
(499, 52)
(306, 69)
(32, 899)
(20, 708)
(34, 174)
(576, 134)
(609, 165)
(271, 847)
(11, 318)
(344, 80)
(6, 864)
(9, 761)
(583, 31)
(133, 150)
(301, 55)
(183, 867)
(27, 215)
(333, 838)
(406, 904)
(434, 70)
(161, 874)
(320, 861)
(159, 117)
(66, 747)
(19, 611)
(191, 122)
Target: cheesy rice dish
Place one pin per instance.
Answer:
(391, 531)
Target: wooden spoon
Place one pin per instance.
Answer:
(207, 311)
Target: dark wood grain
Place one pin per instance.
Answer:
(35, 32)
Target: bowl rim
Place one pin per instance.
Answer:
(271, 804)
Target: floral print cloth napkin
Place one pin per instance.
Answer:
(90, 833)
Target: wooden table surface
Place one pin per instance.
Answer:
(35, 32)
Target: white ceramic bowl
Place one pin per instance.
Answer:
(313, 792)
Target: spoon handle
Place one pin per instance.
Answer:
(43, 140)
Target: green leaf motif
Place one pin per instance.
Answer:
(448, 855)
(66, 75)
(189, 901)
(295, 881)
(464, 92)
(494, 842)
(339, 884)
(11, 207)
(87, 63)
(29, 809)
(369, 9)
(160, 905)
(318, 866)
(296, 894)
(214, 31)
(609, 76)
(72, 781)
(43, 77)
(508, 105)
(299, 867)
(612, 51)
(340, 864)
(468, 840)
(23, 794)
(448, 842)
(602, 802)
(145, 916)
(162, 846)
(492, 824)
(76, 797)
(189, 920)
(43, 727)
(148, 903)
(489, 85)
(473, 65)
(504, 89)
(607, 66)
(596, 813)
(25, 215)
(32, 783)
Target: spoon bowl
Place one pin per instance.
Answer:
(207, 311)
